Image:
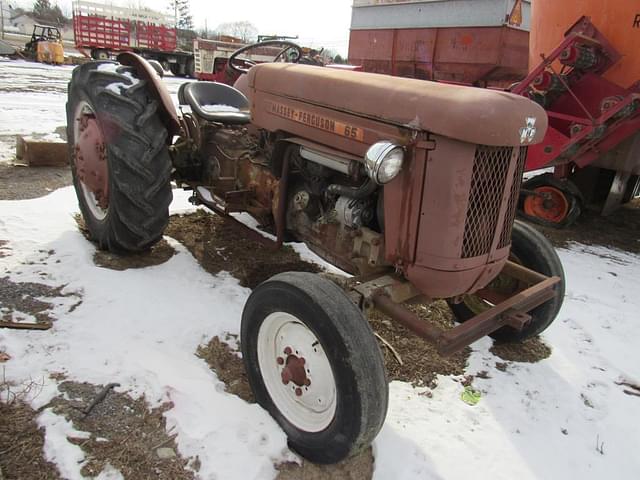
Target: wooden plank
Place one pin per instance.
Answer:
(25, 326)
(34, 152)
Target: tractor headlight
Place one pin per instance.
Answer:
(383, 161)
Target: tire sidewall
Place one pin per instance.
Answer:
(137, 156)
(337, 438)
(535, 252)
(95, 225)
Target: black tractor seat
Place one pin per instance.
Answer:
(215, 102)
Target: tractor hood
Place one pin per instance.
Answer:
(469, 114)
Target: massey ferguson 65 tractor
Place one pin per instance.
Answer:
(410, 186)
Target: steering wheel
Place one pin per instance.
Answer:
(234, 63)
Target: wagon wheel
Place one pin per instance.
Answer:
(550, 202)
(532, 250)
(119, 157)
(314, 365)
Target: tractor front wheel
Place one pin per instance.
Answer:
(532, 250)
(314, 365)
(119, 157)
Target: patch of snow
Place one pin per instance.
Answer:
(7, 150)
(117, 87)
(535, 173)
(108, 67)
(53, 137)
(67, 457)
(219, 108)
(132, 328)
(110, 473)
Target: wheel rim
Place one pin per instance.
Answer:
(296, 372)
(550, 204)
(90, 160)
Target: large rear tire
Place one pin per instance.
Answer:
(314, 365)
(119, 157)
(531, 249)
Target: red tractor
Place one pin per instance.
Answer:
(410, 186)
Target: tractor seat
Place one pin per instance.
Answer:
(215, 102)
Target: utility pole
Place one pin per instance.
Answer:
(2, 19)
(175, 4)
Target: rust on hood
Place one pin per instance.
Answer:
(467, 114)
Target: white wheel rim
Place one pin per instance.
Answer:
(309, 405)
(96, 210)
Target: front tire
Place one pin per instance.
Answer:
(532, 250)
(119, 157)
(314, 365)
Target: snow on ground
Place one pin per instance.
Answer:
(33, 98)
(563, 417)
(544, 420)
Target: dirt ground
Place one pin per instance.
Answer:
(22, 183)
(21, 445)
(124, 433)
(33, 302)
(620, 230)
(222, 244)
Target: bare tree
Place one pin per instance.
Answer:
(244, 30)
(181, 9)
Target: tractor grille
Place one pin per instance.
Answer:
(510, 215)
(490, 169)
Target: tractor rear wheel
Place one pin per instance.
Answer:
(552, 202)
(532, 250)
(314, 365)
(119, 157)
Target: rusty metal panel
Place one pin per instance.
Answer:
(507, 226)
(444, 206)
(402, 102)
(402, 200)
(371, 44)
(469, 46)
(494, 56)
(415, 44)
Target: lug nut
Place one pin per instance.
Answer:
(280, 361)
(298, 392)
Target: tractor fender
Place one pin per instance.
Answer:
(166, 109)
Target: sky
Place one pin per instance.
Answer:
(318, 24)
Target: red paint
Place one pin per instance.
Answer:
(91, 160)
(551, 205)
(591, 116)
(122, 35)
